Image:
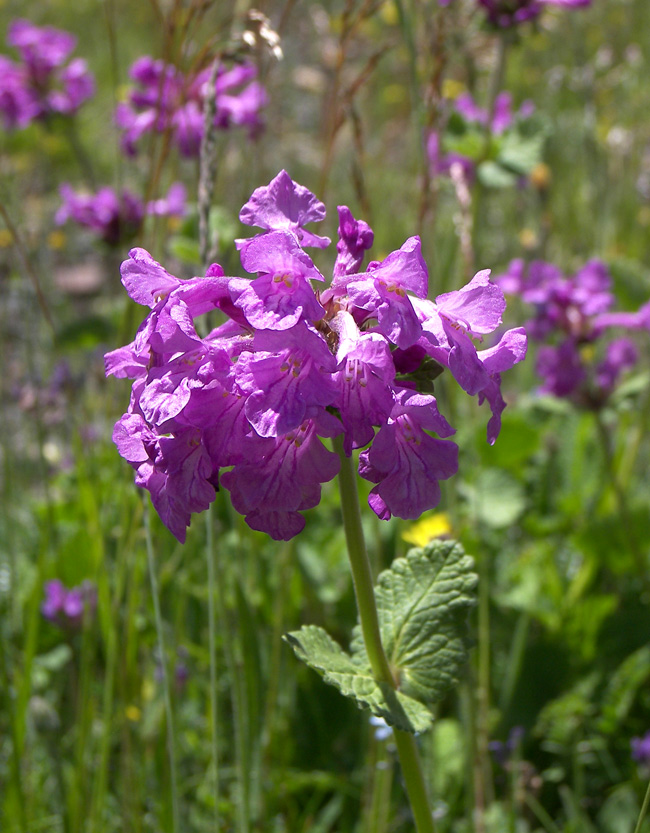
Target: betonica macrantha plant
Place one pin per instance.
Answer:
(297, 361)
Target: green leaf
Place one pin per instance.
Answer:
(493, 175)
(497, 498)
(520, 154)
(422, 604)
(314, 646)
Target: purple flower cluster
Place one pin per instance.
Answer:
(292, 365)
(473, 117)
(66, 607)
(44, 82)
(575, 314)
(116, 218)
(166, 101)
(507, 13)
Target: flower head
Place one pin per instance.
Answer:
(572, 318)
(164, 100)
(66, 607)
(294, 364)
(508, 13)
(43, 83)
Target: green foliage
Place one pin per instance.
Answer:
(422, 603)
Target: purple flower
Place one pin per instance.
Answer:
(282, 295)
(283, 205)
(115, 218)
(355, 237)
(406, 462)
(164, 100)
(42, 84)
(383, 292)
(573, 317)
(291, 366)
(640, 748)
(66, 607)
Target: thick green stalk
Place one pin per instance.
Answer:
(361, 570)
(365, 595)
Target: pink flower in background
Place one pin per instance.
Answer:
(116, 217)
(66, 607)
(164, 100)
(507, 13)
(44, 82)
(573, 318)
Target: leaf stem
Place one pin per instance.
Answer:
(365, 595)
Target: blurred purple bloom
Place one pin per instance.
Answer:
(116, 218)
(164, 100)
(572, 317)
(292, 365)
(507, 13)
(503, 751)
(66, 607)
(640, 749)
(42, 83)
(441, 158)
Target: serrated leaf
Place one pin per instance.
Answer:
(422, 603)
(315, 647)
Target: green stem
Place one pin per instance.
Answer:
(644, 810)
(416, 787)
(212, 647)
(365, 595)
(361, 570)
(171, 744)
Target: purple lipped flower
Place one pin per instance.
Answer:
(272, 491)
(382, 292)
(287, 379)
(42, 84)
(291, 366)
(284, 205)
(355, 238)
(365, 375)
(282, 295)
(407, 463)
